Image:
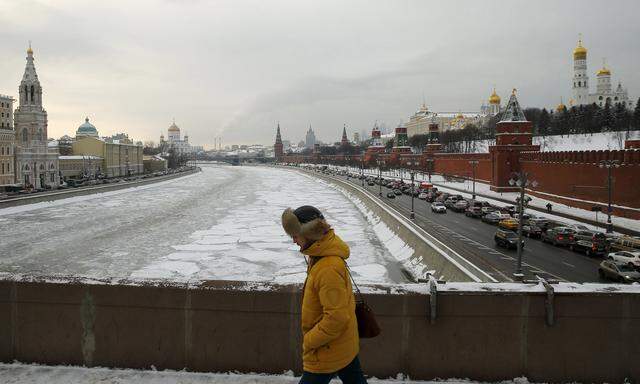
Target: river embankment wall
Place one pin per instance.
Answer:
(480, 331)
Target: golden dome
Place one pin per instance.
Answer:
(604, 71)
(580, 53)
(494, 98)
(561, 107)
(174, 128)
(460, 116)
(29, 50)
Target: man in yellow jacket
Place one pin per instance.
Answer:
(331, 344)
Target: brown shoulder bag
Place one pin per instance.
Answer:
(367, 325)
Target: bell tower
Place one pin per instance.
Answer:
(580, 78)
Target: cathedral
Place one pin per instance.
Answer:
(36, 164)
(604, 92)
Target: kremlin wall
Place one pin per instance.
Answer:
(573, 178)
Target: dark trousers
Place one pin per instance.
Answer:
(351, 374)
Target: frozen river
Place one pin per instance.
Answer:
(222, 223)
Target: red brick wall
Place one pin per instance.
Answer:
(457, 164)
(577, 175)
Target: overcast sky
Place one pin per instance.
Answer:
(235, 68)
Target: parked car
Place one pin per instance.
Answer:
(510, 224)
(391, 195)
(559, 236)
(371, 183)
(533, 227)
(626, 257)
(397, 192)
(578, 227)
(488, 209)
(609, 269)
(422, 196)
(550, 224)
(592, 243)
(625, 243)
(460, 205)
(474, 212)
(494, 217)
(506, 239)
(450, 202)
(438, 207)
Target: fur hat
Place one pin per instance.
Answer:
(306, 221)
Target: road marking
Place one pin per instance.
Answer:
(569, 265)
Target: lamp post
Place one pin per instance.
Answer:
(412, 172)
(429, 163)
(362, 170)
(521, 180)
(473, 163)
(380, 164)
(609, 165)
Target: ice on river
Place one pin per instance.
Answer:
(223, 223)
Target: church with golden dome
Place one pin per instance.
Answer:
(604, 92)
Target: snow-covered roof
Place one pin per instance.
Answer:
(79, 157)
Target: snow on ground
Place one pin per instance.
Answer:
(582, 142)
(222, 223)
(17, 373)
(484, 189)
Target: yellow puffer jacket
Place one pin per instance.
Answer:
(328, 308)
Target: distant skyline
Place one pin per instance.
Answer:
(233, 69)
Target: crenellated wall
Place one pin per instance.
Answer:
(569, 177)
(576, 175)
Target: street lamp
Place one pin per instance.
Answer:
(380, 165)
(412, 172)
(473, 163)
(609, 164)
(362, 170)
(521, 180)
(429, 167)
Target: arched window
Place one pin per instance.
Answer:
(26, 167)
(2, 152)
(40, 134)
(600, 98)
(615, 98)
(25, 135)
(26, 94)
(42, 167)
(32, 93)
(579, 84)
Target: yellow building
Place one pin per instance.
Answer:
(119, 158)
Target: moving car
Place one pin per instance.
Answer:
(609, 269)
(474, 212)
(509, 224)
(533, 227)
(460, 205)
(592, 243)
(422, 196)
(559, 236)
(626, 257)
(494, 217)
(438, 207)
(507, 239)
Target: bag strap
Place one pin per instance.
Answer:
(354, 282)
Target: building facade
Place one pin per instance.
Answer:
(604, 93)
(310, 139)
(118, 159)
(7, 141)
(36, 163)
(79, 166)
